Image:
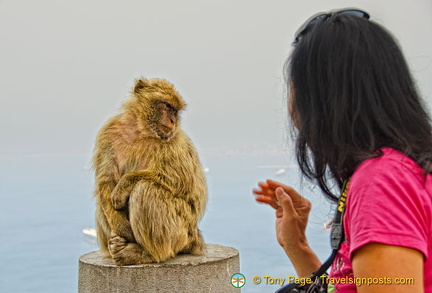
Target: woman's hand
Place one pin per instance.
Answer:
(292, 212)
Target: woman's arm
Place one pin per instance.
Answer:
(393, 264)
(292, 212)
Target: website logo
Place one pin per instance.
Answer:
(238, 280)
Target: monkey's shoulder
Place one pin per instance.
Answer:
(182, 146)
(120, 131)
(180, 158)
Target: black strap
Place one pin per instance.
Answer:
(336, 239)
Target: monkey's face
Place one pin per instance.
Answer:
(164, 121)
(156, 105)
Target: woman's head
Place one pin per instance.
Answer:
(352, 94)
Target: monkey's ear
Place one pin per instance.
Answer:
(139, 85)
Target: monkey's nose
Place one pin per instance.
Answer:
(168, 126)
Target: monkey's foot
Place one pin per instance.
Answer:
(196, 247)
(116, 244)
(124, 253)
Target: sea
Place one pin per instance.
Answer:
(47, 201)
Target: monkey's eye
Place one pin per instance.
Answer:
(170, 108)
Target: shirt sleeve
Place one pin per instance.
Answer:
(388, 203)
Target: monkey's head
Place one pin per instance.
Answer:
(156, 106)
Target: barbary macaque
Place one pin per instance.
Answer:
(150, 185)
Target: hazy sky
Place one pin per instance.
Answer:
(66, 66)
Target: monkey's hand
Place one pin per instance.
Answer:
(120, 194)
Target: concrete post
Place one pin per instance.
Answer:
(185, 273)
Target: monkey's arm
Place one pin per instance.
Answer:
(120, 194)
(107, 176)
(200, 185)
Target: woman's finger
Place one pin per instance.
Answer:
(267, 200)
(285, 202)
(293, 194)
(264, 190)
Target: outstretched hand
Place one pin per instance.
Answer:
(292, 213)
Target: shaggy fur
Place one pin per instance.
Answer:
(150, 186)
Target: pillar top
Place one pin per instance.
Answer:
(212, 253)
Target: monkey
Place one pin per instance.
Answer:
(150, 187)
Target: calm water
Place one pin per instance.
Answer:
(47, 201)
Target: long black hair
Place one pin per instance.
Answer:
(353, 94)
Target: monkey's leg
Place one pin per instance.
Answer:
(159, 228)
(160, 220)
(103, 230)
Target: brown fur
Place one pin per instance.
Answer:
(150, 186)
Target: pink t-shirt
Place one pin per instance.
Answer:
(389, 202)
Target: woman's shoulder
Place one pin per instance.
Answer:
(390, 202)
(391, 176)
(391, 163)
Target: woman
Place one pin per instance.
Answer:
(358, 118)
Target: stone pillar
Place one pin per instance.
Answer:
(184, 273)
